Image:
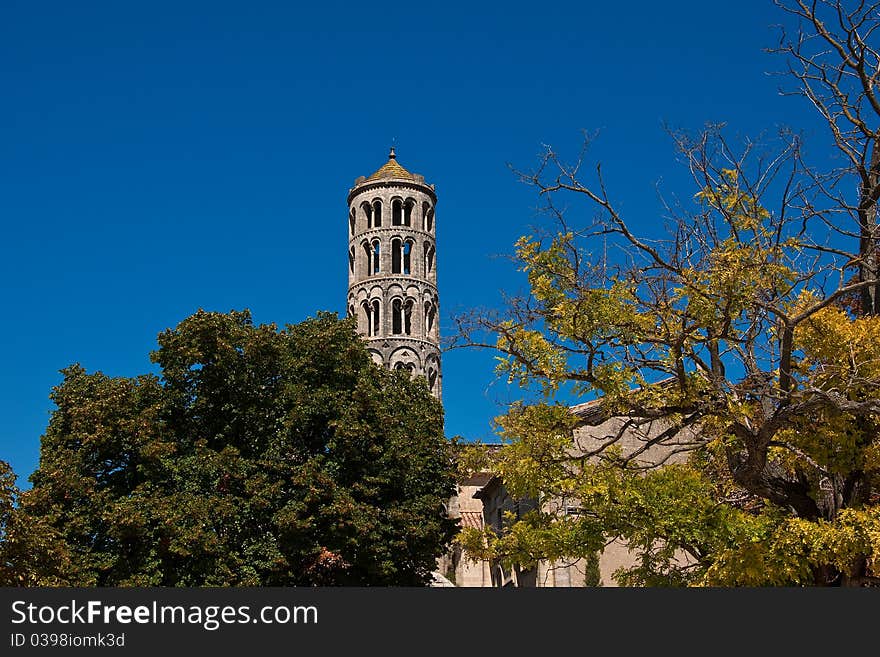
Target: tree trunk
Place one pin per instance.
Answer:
(868, 232)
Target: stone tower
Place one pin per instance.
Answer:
(392, 270)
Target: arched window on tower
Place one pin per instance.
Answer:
(407, 257)
(425, 208)
(368, 257)
(376, 253)
(432, 378)
(374, 319)
(395, 256)
(368, 317)
(377, 213)
(351, 260)
(407, 212)
(396, 213)
(429, 258)
(407, 316)
(430, 316)
(351, 220)
(397, 317)
(351, 310)
(368, 214)
(429, 220)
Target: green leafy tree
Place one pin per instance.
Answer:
(258, 457)
(747, 330)
(32, 553)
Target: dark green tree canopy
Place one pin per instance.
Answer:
(258, 457)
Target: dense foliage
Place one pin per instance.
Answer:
(258, 457)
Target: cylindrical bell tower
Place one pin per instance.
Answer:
(392, 270)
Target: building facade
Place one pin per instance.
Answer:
(392, 270)
(483, 502)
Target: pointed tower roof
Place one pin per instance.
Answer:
(392, 169)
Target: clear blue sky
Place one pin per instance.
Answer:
(157, 158)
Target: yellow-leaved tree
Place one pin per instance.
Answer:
(749, 330)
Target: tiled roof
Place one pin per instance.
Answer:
(477, 479)
(590, 412)
(473, 519)
(391, 169)
(593, 412)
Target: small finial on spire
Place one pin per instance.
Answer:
(391, 154)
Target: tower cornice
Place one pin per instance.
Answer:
(385, 230)
(391, 182)
(373, 281)
(389, 341)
